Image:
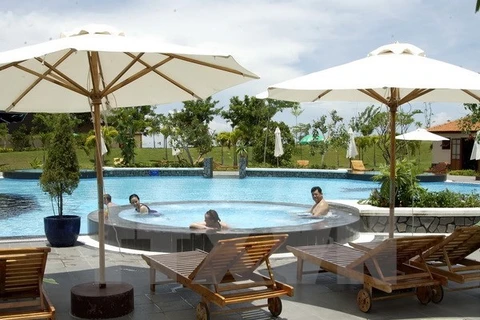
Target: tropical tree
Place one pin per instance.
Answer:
(154, 128)
(365, 122)
(252, 117)
(331, 129)
(43, 126)
(296, 110)
(405, 119)
(266, 151)
(19, 138)
(129, 121)
(189, 127)
(4, 133)
(109, 134)
(223, 140)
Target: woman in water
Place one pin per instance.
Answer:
(141, 208)
(212, 222)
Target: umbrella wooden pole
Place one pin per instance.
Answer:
(391, 216)
(98, 167)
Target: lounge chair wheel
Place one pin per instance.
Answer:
(202, 311)
(437, 293)
(424, 294)
(364, 300)
(275, 306)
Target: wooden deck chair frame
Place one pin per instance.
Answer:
(357, 165)
(227, 275)
(385, 267)
(449, 258)
(22, 295)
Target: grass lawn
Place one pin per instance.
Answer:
(149, 157)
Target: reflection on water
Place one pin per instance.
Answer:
(12, 205)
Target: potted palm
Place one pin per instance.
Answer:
(60, 176)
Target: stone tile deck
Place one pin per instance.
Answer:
(318, 296)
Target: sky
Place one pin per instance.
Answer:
(276, 39)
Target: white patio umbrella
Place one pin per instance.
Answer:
(420, 134)
(97, 68)
(476, 148)
(352, 151)
(278, 152)
(393, 75)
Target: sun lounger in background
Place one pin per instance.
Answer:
(449, 257)
(439, 168)
(227, 274)
(384, 266)
(357, 165)
(303, 163)
(21, 284)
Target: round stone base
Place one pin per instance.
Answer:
(89, 301)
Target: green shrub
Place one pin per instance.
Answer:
(462, 172)
(408, 192)
(61, 172)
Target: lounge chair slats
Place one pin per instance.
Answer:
(449, 257)
(358, 165)
(227, 274)
(21, 284)
(380, 265)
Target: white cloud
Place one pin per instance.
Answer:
(277, 40)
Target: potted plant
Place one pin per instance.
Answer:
(60, 176)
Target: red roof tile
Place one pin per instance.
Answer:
(453, 127)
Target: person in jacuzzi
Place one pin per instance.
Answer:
(141, 208)
(320, 207)
(212, 222)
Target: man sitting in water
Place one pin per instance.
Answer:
(320, 208)
(107, 200)
(140, 207)
(212, 222)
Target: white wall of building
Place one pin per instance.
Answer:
(155, 141)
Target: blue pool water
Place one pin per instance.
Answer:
(22, 215)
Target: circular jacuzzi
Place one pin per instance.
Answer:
(169, 230)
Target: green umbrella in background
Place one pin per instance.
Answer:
(309, 138)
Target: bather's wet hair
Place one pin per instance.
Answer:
(213, 215)
(133, 195)
(316, 188)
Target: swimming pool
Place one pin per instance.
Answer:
(22, 214)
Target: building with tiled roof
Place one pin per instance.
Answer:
(456, 151)
(452, 127)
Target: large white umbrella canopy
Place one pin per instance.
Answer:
(420, 134)
(96, 67)
(475, 155)
(352, 151)
(393, 74)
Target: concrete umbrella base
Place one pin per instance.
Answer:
(89, 301)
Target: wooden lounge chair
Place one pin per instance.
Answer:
(449, 257)
(357, 165)
(384, 267)
(439, 168)
(303, 163)
(227, 274)
(21, 284)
